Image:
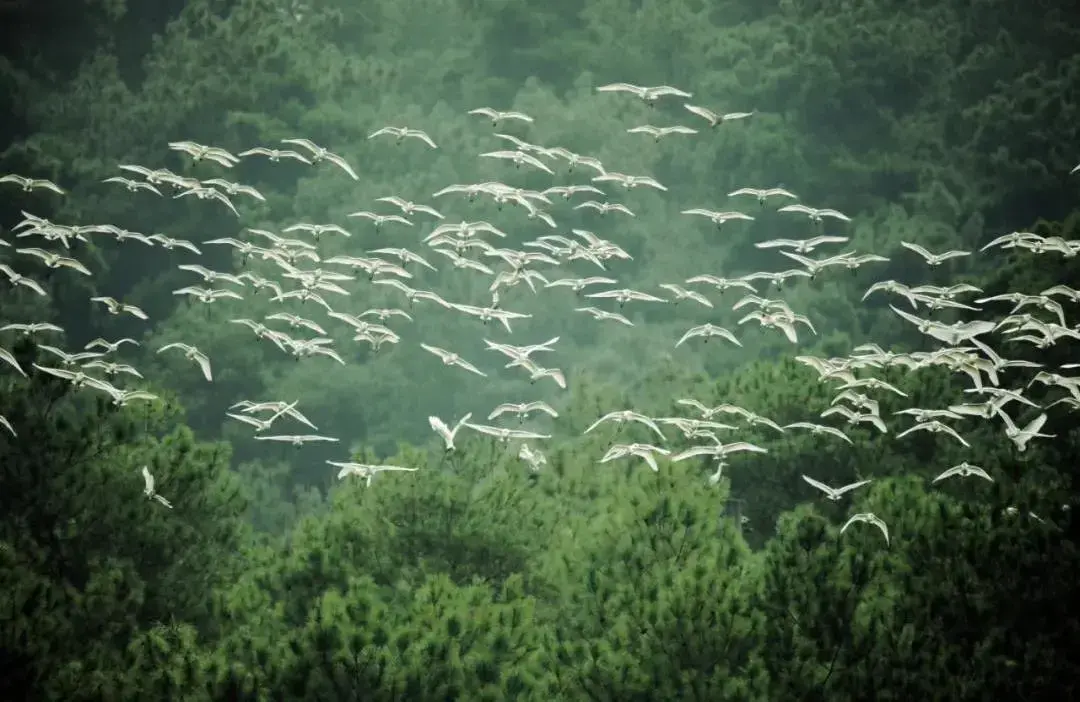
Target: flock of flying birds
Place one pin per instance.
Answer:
(292, 272)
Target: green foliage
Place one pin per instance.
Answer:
(658, 588)
(437, 641)
(84, 550)
(937, 613)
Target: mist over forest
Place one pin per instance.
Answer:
(256, 497)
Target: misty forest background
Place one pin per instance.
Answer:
(946, 122)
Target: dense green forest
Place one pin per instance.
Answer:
(480, 575)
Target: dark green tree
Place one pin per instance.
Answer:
(89, 564)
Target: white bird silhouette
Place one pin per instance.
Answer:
(231, 188)
(76, 378)
(682, 293)
(32, 328)
(531, 456)
(717, 450)
(70, 359)
(621, 417)
(706, 331)
(763, 194)
(19, 279)
(601, 315)
(1021, 437)
(55, 260)
(447, 434)
(116, 307)
(452, 359)
(816, 215)
(29, 184)
(404, 132)
(317, 230)
(168, 243)
(364, 470)
(579, 284)
(646, 452)
(504, 434)
(274, 154)
(629, 181)
(148, 488)
(964, 470)
(497, 116)
(119, 397)
(657, 132)
(297, 440)
(648, 94)
(605, 207)
(518, 158)
(625, 295)
(319, 153)
(192, 354)
(834, 494)
(718, 217)
(522, 409)
(408, 207)
(934, 427)
(279, 409)
(207, 295)
(132, 185)
(933, 259)
(801, 246)
(716, 118)
(820, 429)
(869, 518)
(199, 151)
(536, 372)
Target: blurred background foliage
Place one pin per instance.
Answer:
(948, 122)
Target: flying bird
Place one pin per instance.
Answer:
(623, 416)
(55, 260)
(718, 450)
(933, 259)
(319, 153)
(763, 194)
(30, 184)
(706, 331)
(657, 132)
(116, 307)
(275, 154)
(646, 452)
(199, 152)
(364, 470)
(148, 488)
(403, 133)
(192, 354)
(497, 116)
(648, 94)
(716, 118)
(297, 440)
(447, 434)
(868, 518)
(817, 216)
(834, 494)
(963, 470)
(452, 359)
(1021, 437)
(522, 409)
